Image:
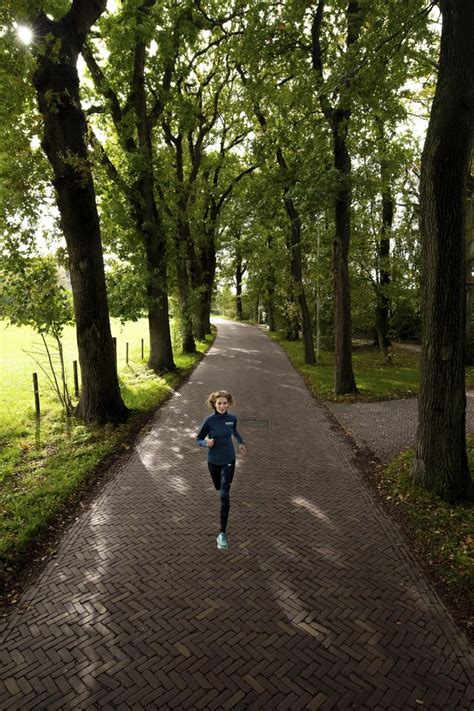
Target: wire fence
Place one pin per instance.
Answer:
(29, 391)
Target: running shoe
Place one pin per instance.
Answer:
(222, 541)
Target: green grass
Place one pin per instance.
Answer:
(443, 533)
(375, 379)
(44, 465)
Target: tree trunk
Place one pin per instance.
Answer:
(296, 267)
(441, 460)
(344, 374)
(57, 85)
(383, 254)
(134, 132)
(184, 285)
(338, 115)
(205, 285)
(161, 352)
(151, 228)
(271, 276)
(238, 292)
(239, 274)
(469, 239)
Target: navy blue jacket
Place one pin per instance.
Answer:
(220, 428)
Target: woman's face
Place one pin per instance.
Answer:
(222, 405)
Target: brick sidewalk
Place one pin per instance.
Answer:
(387, 427)
(317, 605)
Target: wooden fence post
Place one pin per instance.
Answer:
(142, 349)
(126, 353)
(76, 378)
(36, 392)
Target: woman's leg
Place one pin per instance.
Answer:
(222, 475)
(215, 472)
(227, 474)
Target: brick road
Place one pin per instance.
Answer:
(318, 604)
(387, 427)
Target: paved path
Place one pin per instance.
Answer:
(387, 427)
(317, 605)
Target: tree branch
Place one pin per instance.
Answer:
(82, 15)
(102, 85)
(107, 163)
(232, 185)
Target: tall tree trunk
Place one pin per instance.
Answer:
(183, 240)
(344, 374)
(161, 353)
(469, 233)
(151, 228)
(141, 196)
(199, 297)
(185, 253)
(441, 460)
(239, 273)
(57, 86)
(296, 267)
(239, 314)
(202, 317)
(205, 273)
(383, 254)
(296, 273)
(338, 115)
(151, 232)
(209, 275)
(270, 287)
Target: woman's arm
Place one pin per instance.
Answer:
(239, 439)
(202, 434)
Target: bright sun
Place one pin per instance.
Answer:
(25, 34)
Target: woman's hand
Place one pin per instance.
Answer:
(210, 442)
(242, 449)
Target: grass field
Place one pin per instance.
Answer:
(18, 347)
(45, 463)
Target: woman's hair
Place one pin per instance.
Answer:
(211, 400)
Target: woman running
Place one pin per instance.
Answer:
(216, 434)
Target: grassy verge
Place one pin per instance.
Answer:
(442, 534)
(375, 380)
(45, 466)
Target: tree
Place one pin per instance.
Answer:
(56, 81)
(470, 265)
(338, 114)
(134, 116)
(126, 290)
(441, 460)
(287, 178)
(30, 295)
(188, 124)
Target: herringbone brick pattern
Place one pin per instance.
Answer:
(317, 604)
(387, 427)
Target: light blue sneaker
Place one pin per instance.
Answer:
(222, 542)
